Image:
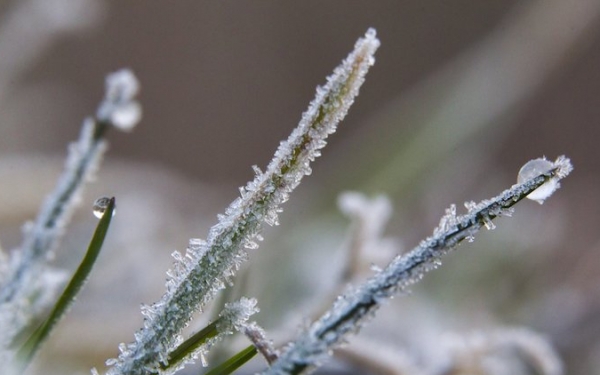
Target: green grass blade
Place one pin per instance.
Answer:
(234, 362)
(30, 347)
(191, 344)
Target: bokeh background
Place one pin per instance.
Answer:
(462, 94)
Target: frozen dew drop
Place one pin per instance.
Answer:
(535, 168)
(126, 116)
(100, 206)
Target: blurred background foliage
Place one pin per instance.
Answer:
(462, 94)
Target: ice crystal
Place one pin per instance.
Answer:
(192, 285)
(350, 311)
(447, 222)
(235, 314)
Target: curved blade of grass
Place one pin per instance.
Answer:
(196, 340)
(234, 362)
(28, 350)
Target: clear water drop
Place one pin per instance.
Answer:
(535, 168)
(100, 206)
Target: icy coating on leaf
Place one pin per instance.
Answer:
(204, 269)
(351, 310)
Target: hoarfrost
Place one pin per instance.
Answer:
(487, 221)
(243, 219)
(447, 222)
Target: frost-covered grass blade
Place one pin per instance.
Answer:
(28, 350)
(208, 265)
(350, 310)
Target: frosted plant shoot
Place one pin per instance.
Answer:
(350, 310)
(208, 265)
(28, 286)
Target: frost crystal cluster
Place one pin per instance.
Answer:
(208, 265)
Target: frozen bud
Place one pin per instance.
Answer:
(121, 86)
(119, 107)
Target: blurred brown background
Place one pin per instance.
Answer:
(461, 95)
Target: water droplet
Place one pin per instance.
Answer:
(100, 206)
(535, 168)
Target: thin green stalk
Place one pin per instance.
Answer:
(209, 264)
(31, 346)
(234, 362)
(194, 342)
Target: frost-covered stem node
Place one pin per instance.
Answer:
(207, 265)
(350, 310)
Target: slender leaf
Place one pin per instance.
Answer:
(195, 341)
(31, 346)
(234, 362)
